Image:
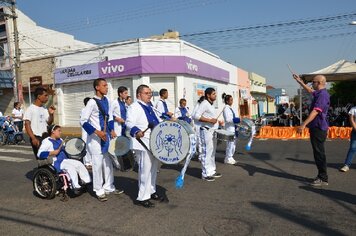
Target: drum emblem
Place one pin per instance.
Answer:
(169, 143)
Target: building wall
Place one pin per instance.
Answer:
(244, 84)
(7, 100)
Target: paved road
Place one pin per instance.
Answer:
(266, 194)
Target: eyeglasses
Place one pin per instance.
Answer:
(316, 82)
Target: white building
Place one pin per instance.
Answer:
(184, 69)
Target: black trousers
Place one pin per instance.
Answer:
(317, 139)
(34, 148)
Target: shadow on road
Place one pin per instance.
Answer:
(191, 171)
(335, 195)
(330, 165)
(130, 186)
(251, 169)
(298, 218)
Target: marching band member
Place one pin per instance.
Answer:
(96, 120)
(53, 146)
(119, 112)
(87, 160)
(205, 113)
(161, 105)
(182, 112)
(230, 125)
(197, 126)
(139, 116)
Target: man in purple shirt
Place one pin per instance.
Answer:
(317, 124)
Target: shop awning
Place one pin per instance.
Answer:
(6, 79)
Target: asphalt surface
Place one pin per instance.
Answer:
(266, 194)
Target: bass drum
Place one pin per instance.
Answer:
(172, 141)
(75, 148)
(120, 146)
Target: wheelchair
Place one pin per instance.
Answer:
(8, 135)
(47, 183)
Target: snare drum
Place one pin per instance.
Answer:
(172, 141)
(224, 135)
(119, 146)
(75, 148)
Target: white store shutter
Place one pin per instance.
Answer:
(157, 83)
(74, 95)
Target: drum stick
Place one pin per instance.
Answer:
(290, 69)
(221, 112)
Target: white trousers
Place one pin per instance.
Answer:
(103, 176)
(87, 159)
(75, 168)
(147, 174)
(230, 150)
(207, 156)
(198, 141)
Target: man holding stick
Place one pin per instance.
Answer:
(317, 124)
(205, 113)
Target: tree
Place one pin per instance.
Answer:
(343, 92)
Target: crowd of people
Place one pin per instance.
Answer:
(102, 120)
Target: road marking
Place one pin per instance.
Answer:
(28, 152)
(26, 147)
(13, 159)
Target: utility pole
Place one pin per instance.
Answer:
(17, 82)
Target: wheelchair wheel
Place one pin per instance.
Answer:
(44, 183)
(2, 138)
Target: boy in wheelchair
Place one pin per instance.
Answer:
(53, 147)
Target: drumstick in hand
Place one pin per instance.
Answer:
(150, 126)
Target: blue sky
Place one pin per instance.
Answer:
(107, 21)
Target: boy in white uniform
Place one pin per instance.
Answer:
(161, 105)
(205, 113)
(96, 121)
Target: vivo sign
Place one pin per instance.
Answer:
(145, 65)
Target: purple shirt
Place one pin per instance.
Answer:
(320, 103)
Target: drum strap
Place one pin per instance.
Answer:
(100, 108)
(150, 115)
(236, 128)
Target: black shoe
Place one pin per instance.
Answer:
(77, 191)
(157, 197)
(146, 203)
(208, 178)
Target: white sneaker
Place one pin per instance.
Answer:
(230, 162)
(345, 168)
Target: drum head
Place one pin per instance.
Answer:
(170, 142)
(75, 148)
(245, 128)
(119, 146)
